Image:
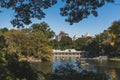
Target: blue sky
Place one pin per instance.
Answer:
(94, 25)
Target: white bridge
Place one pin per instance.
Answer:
(69, 53)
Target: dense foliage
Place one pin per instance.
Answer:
(10, 66)
(105, 43)
(74, 10)
(29, 42)
(17, 46)
(108, 41)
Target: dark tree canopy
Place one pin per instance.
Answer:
(74, 10)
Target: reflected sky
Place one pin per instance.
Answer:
(111, 68)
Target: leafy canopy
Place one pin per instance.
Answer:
(74, 10)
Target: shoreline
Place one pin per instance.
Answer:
(114, 59)
(100, 58)
(30, 59)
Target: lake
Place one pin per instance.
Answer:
(111, 68)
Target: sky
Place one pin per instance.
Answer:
(93, 25)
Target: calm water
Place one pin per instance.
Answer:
(111, 68)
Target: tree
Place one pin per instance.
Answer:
(65, 43)
(107, 42)
(44, 27)
(21, 70)
(82, 42)
(15, 40)
(54, 44)
(10, 66)
(114, 32)
(2, 42)
(13, 69)
(41, 47)
(25, 45)
(75, 10)
(3, 30)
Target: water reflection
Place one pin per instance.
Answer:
(62, 61)
(109, 67)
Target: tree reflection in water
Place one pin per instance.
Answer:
(26, 71)
(66, 72)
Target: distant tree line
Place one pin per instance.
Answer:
(105, 43)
